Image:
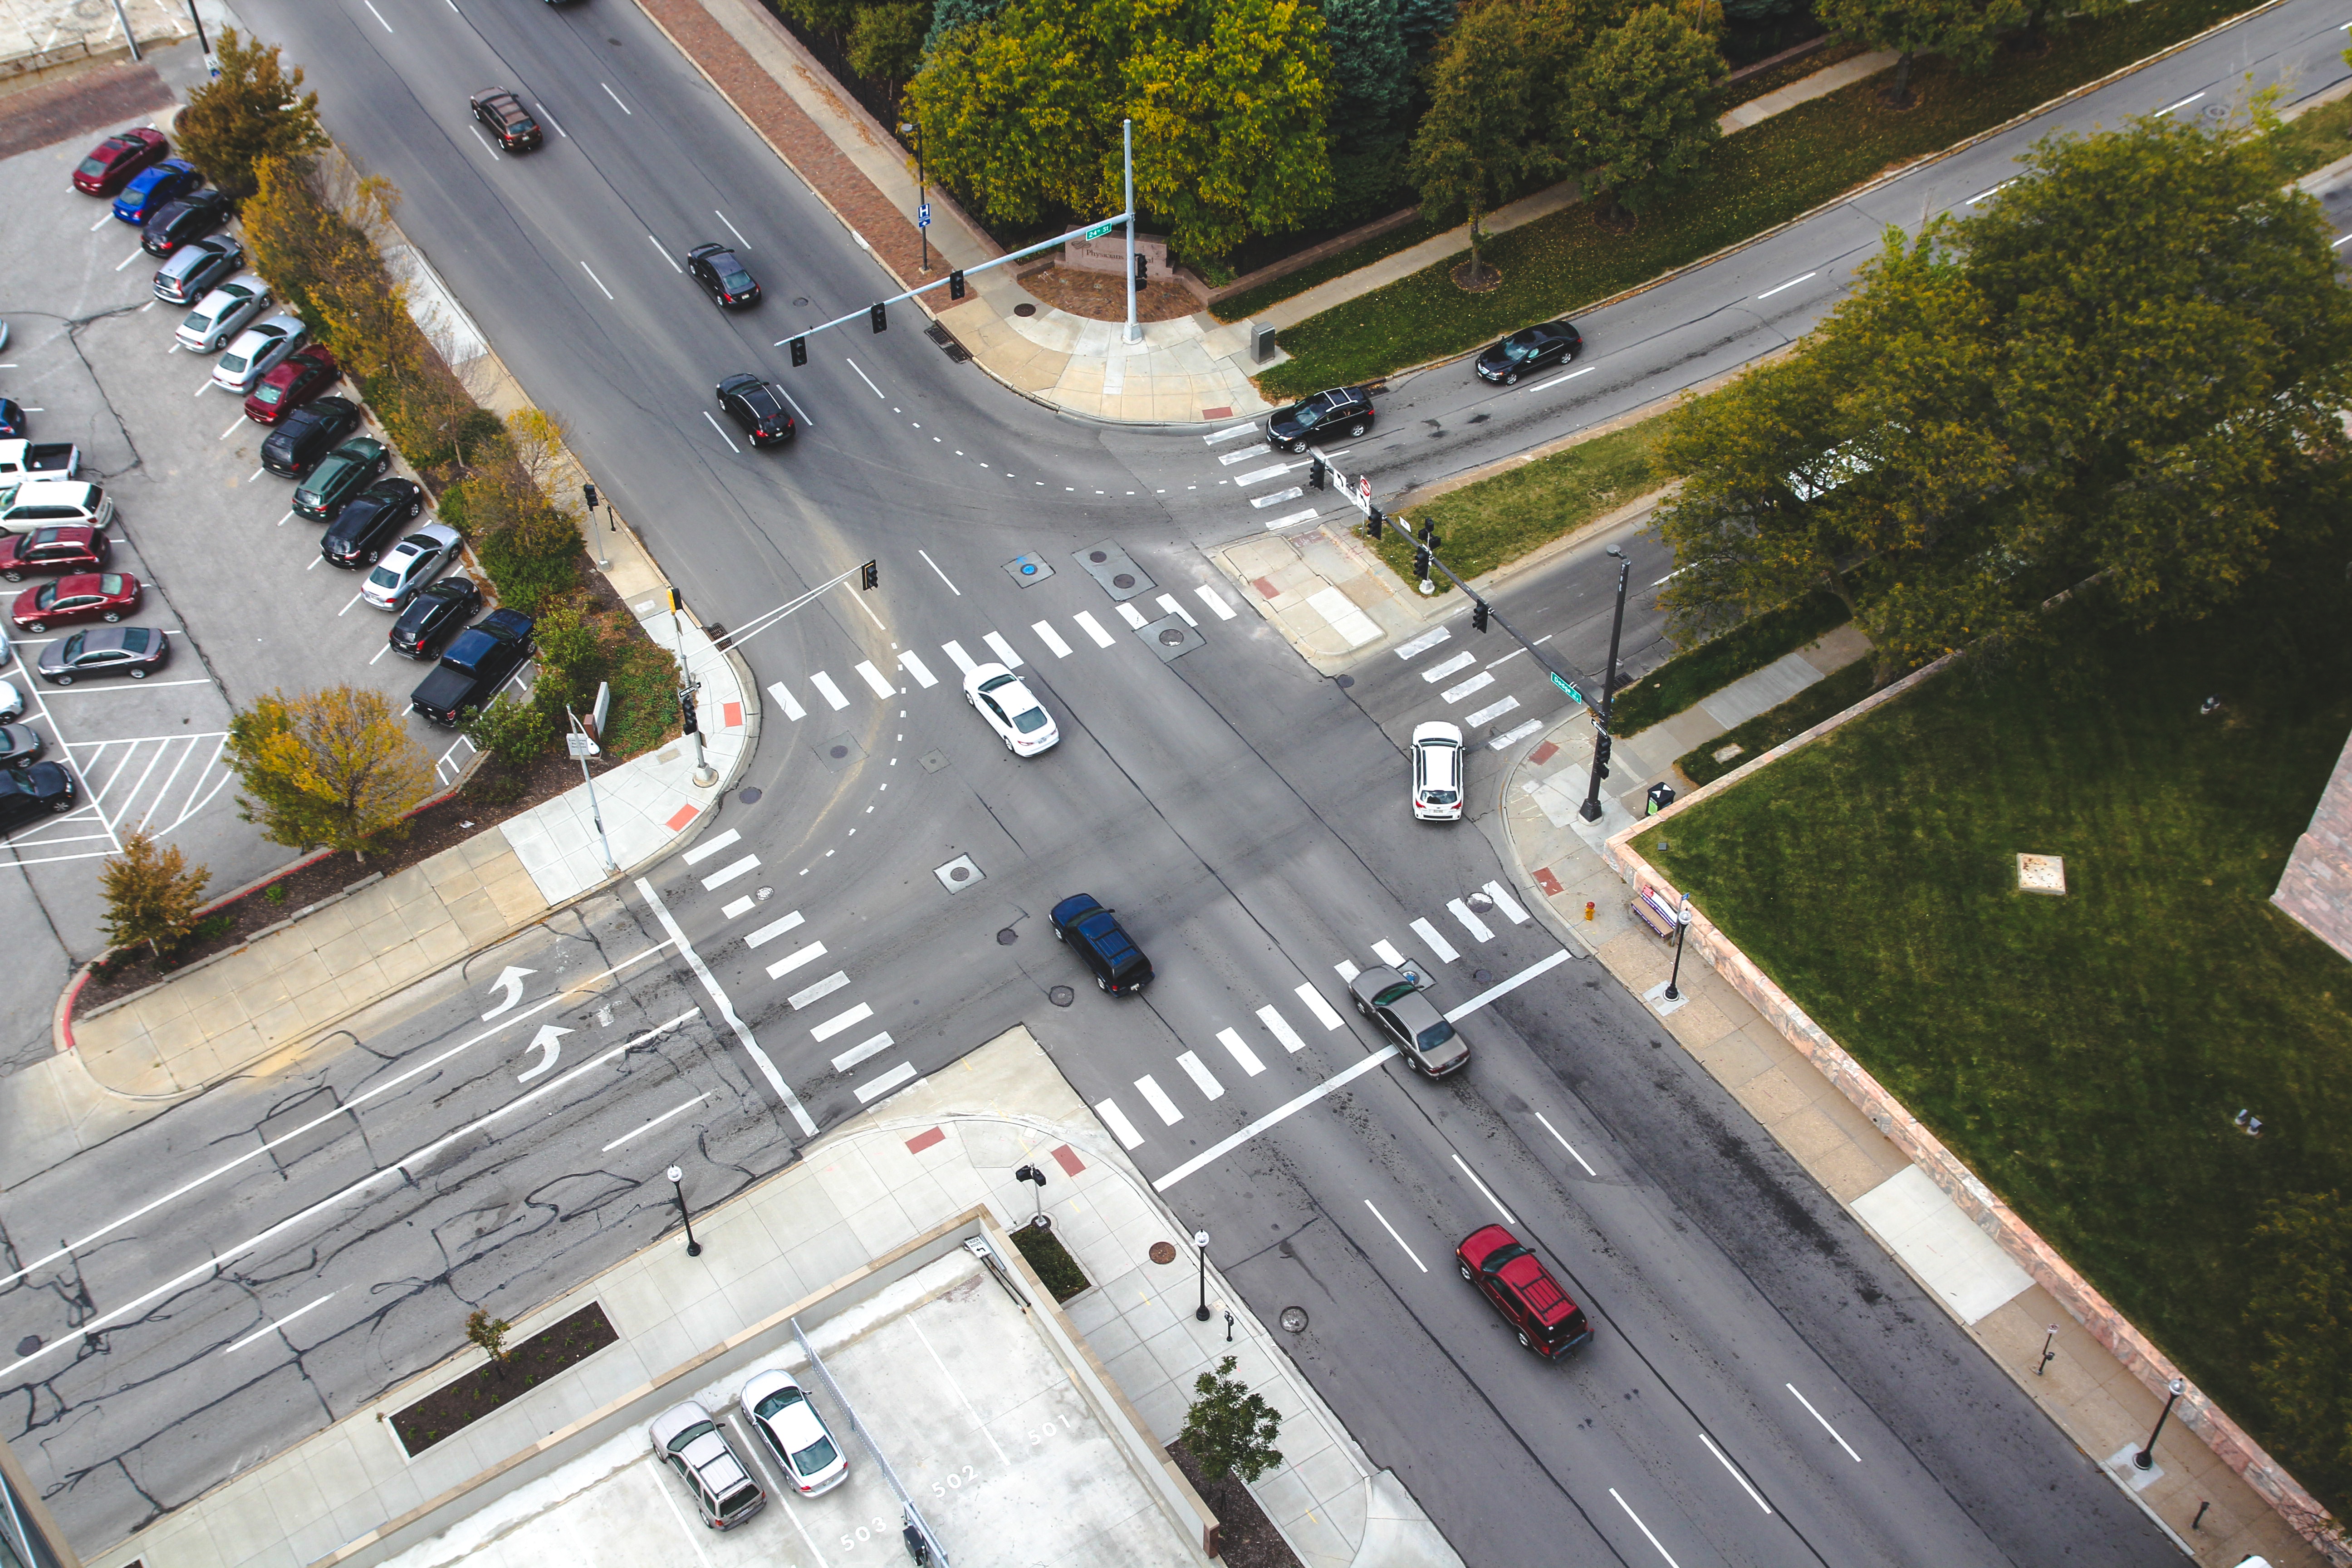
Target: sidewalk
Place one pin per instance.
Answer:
(859, 1199)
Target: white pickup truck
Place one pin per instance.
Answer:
(21, 459)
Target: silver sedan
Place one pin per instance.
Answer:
(410, 564)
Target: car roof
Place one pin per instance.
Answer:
(1437, 730)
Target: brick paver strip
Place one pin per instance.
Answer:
(106, 98)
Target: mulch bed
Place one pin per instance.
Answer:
(1102, 295)
(449, 1410)
(102, 99)
(1247, 1537)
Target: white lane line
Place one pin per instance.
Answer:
(1157, 1097)
(808, 995)
(738, 233)
(772, 929)
(1227, 433)
(865, 1050)
(1996, 190)
(841, 1021)
(596, 281)
(616, 99)
(1736, 1476)
(735, 908)
(914, 666)
(1168, 603)
(1224, 1146)
(535, 103)
(1279, 1027)
(1470, 922)
(1446, 952)
(1492, 711)
(794, 959)
(1423, 643)
(2157, 115)
(729, 872)
(718, 993)
(1477, 682)
(1051, 638)
(1116, 1120)
(665, 256)
(1215, 601)
(1387, 953)
(1510, 906)
(1385, 1226)
(1309, 515)
(1612, 1492)
(706, 849)
(1132, 616)
(2338, 244)
(1496, 993)
(1238, 1048)
(1255, 475)
(1243, 454)
(376, 13)
(1003, 651)
(1444, 668)
(869, 1092)
(1203, 1078)
(862, 375)
(943, 577)
(1555, 381)
(784, 699)
(1824, 1421)
(963, 660)
(277, 1323)
(797, 409)
(722, 433)
(656, 1122)
(1566, 1144)
(875, 678)
(828, 690)
(1791, 283)
(1277, 497)
(1325, 1014)
(1346, 971)
(1508, 1218)
(1093, 629)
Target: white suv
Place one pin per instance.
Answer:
(47, 503)
(1437, 772)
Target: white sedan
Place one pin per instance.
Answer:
(256, 353)
(409, 565)
(220, 315)
(1018, 718)
(12, 703)
(795, 1433)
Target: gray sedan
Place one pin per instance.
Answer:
(256, 353)
(410, 564)
(1390, 999)
(221, 314)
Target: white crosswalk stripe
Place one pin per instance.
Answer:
(1325, 1014)
(1215, 601)
(867, 1093)
(1346, 971)
(794, 960)
(1257, 476)
(1228, 433)
(1445, 950)
(729, 872)
(875, 678)
(1203, 1078)
(914, 666)
(1279, 1027)
(818, 991)
(1051, 638)
(792, 710)
(1243, 454)
(1423, 643)
(1276, 497)
(1132, 616)
(1514, 735)
(1444, 668)
(841, 1021)
(828, 690)
(1003, 651)
(1470, 922)
(1388, 954)
(1512, 909)
(1157, 1097)
(1168, 603)
(963, 660)
(1487, 715)
(1116, 1120)
(772, 929)
(735, 908)
(710, 846)
(865, 1051)
(1479, 682)
(1238, 1048)
(1093, 629)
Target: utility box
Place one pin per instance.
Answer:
(1261, 343)
(1662, 795)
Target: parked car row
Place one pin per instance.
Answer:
(726, 1493)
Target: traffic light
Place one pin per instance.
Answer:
(1421, 561)
(1142, 269)
(1372, 525)
(1601, 756)
(799, 353)
(955, 285)
(590, 492)
(870, 575)
(686, 712)
(1317, 470)
(879, 314)
(1479, 618)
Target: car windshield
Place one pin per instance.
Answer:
(232, 362)
(72, 649)
(808, 1461)
(1306, 415)
(1434, 1036)
(993, 682)
(784, 1398)
(1396, 992)
(384, 577)
(93, 167)
(677, 1445)
(1029, 721)
(1519, 347)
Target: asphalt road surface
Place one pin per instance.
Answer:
(1764, 1386)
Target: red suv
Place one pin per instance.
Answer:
(1523, 1292)
(73, 548)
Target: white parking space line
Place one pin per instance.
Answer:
(1388, 954)
(656, 1122)
(841, 1021)
(596, 281)
(81, 690)
(1157, 1097)
(865, 1050)
(1325, 1014)
(1439, 671)
(232, 429)
(772, 929)
(616, 99)
(738, 233)
(1423, 643)
(861, 374)
(1279, 1027)
(1003, 650)
(828, 690)
(1555, 381)
(1566, 1144)
(1203, 1078)
(794, 960)
(722, 433)
(1346, 971)
(1051, 638)
(1469, 921)
(1168, 603)
(1385, 1226)
(1238, 1048)
(869, 1092)
(1093, 629)
(792, 710)
(914, 666)
(665, 256)
(818, 991)
(1132, 616)
(1491, 712)
(729, 872)
(1242, 454)
(1791, 283)
(1509, 1218)
(875, 678)
(1736, 1476)
(704, 851)
(1216, 602)
(1120, 1127)
(1496, 993)
(1825, 1422)
(1227, 433)
(1445, 950)
(1224, 1146)
(1621, 1503)
(376, 13)
(346, 609)
(1510, 906)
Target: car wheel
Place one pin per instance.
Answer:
(35, 627)
(1058, 936)
(1367, 1012)
(1100, 983)
(58, 808)
(137, 674)
(1465, 1272)
(1512, 379)
(1299, 446)
(55, 680)
(12, 576)
(1357, 428)
(112, 615)
(1009, 745)
(1525, 1340)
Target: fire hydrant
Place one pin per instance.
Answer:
(1587, 908)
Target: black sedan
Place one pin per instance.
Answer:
(1530, 349)
(44, 789)
(437, 610)
(1325, 416)
(193, 216)
(134, 651)
(759, 407)
(723, 277)
(20, 745)
(368, 521)
(306, 435)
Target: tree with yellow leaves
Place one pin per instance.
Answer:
(152, 895)
(333, 767)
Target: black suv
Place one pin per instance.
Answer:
(1342, 411)
(758, 407)
(306, 435)
(438, 609)
(193, 216)
(1118, 964)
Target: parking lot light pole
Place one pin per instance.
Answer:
(677, 1182)
(1201, 1245)
(2146, 1458)
(1590, 809)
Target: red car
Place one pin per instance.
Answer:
(297, 378)
(85, 597)
(112, 161)
(42, 551)
(1523, 1292)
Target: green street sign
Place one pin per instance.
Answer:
(1099, 231)
(1562, 681)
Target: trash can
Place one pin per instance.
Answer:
(1662, 795)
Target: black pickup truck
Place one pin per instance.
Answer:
(476, 665)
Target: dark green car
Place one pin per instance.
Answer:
(340, 474)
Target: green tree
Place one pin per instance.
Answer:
(1369, 79)
(254, 109)
(886, 42)
(1482, 139)
(2299, 1298)
(490, 1335)
(1229, 1431)
(514, 733)
(1965, 31)
(948, 15)
(1640, 113)
(152, 895)
(335, 767)
(1014, 112)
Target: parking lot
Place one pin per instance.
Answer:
(231, 575)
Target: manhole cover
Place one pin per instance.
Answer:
(30, 1343)
(1024, 308)
(1170, 637)
(1007, 937)
(957, 874)
(748, 796)
(1343, 681)
(837, 751)
(1173, 636)
(1027, 570)
(1161, 1252)
(1123, 580)
(1479, 902)
(1293, 1318)
(1482, 975)
(1061, 995)
(2216, 111)
(801, 301)
(933, 760)
(1098, 556)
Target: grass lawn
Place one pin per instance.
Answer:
(1831, 695)
(2085, 1055)
(1794, 161)
(2315, 140)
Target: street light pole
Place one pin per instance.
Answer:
(1200, 1244)
(677, 1181)
(923, 188)
(2146, 1458)
(1127, 137)
(1590, 809)
(1682, 931)
(1037, 1221)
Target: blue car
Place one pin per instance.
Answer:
(147, 194)
(1119, 965)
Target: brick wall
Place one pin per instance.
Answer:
(2316, 889)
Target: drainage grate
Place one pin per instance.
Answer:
(957, 353)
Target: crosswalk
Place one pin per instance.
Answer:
(1276, 476)
(1475, 699)
(1275, 1028)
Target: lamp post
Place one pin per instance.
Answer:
(2048, 1354)
(1590, 809)
(677, 1181)
(2146, 1458)
(1201, 1245)
(922, 190)
(1037, 1221)
(1682, 930)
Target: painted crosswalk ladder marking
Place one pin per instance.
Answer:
(1423, 643)
(1203, 1078)
(1445, 950)
(963, 660)
(1157, 1097)
(794, 959)
(828, 690)
(734, 909)
(1511, 907)
(1444, 668)
(864, 1051)
(1051, 638)
(1346, 971)
(821, 989)
(1388, 954)
(841, 1021)
(1116, 1120)
(1279, 1027)
(1003, 651)
(1325, 1014)
(710, 846)
(1470, 922)
(792, 710)
(1093, 629)
(879, 682)
(913, 665)
(869, 1092)
(1132, 616)
(772, 929)
(729, 872)
(1489, 715)
(1168, 603)
(1238, 1048)
(1479, 682)
(1215, 601)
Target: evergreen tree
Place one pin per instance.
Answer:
(254, 109)
(152, 895)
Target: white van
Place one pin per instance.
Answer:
(45, 503)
